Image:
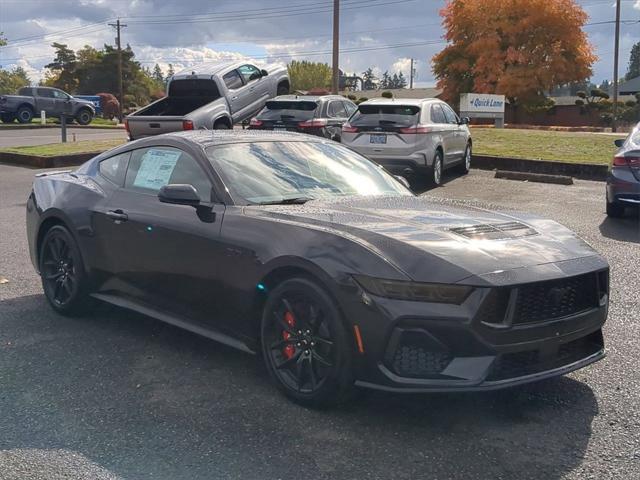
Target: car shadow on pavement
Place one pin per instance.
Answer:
(421, 184)
(625, 229)
(136, 398)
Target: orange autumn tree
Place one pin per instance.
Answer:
(519, 48)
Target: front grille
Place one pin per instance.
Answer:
(495, 231)
(416, 356)
(529, 362)
(555, 299)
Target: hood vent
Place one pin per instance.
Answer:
(495, 231)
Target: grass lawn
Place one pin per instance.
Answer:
(574, 147)
(54, 149)
(96, 122)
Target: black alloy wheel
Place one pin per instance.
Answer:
(63, 277)
(24, 115)
(84, 117)
(7, 117)
(305, 345)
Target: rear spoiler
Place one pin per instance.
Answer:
(57, 172)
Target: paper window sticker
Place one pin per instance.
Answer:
(156, 169)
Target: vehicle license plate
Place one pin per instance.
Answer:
(279, 127)
(377, 138)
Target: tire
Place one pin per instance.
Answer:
(64, 280)
(24, 114)
(84, 117)
(615, 210)
(305, 345)
(435, 173)
(283, 89)
(220, 125)
(7, 117)
(465, 166)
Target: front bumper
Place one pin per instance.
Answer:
(425, 347)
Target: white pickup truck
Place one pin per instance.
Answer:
(211, 96)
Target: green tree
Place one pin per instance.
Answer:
(3, 39)
(633, 70)
(157, 74)
(385, 81)
(402, 81)
(63, 67)
(11, 81)
(369, 80)
(306, 75)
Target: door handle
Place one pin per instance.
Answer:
(117, 215)
(234, 98)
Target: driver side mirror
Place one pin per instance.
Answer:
(179, 194)
(465, 121)
(403, 181)
(618, 142)
(264, 73)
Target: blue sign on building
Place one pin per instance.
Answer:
(95, 99)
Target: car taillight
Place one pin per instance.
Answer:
(315, 123)
(255, 122)
(126, 126)
(415, 129)
(627, 161)
(348, 128)
(187, 125)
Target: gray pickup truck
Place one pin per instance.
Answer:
(30, 101)
(211, 96)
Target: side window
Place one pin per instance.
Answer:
(44, 92)
(26, 91)
(350, 108)
(232, 80)
(60, 95)
(152, 168)
(113, 168)
(249, 73)
(437, 115)
(449, 114)
(336, 109)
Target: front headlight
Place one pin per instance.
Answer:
(419, 292)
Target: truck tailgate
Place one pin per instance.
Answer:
(143, 126)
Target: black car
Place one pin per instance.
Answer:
(322, 115)
(623, 180)
(303, 250)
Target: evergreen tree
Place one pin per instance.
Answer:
(157, 74)
(369, 80)
(385, 82)
(64, 66)
(402, 81)
(633, 70)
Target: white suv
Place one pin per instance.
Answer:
(410, 136)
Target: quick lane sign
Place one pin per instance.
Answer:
(481, 103)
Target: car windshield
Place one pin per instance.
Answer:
(294, 172)
(375, 115)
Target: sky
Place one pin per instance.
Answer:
(382, 34)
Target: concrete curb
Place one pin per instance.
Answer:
(576, 170)
(36, 161)
(534, 177)
(73, 125)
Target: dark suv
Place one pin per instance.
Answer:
(318, 115)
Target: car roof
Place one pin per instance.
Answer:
(399, 101)
(309, 98)
(208, 138)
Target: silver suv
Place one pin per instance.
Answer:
(410, 136)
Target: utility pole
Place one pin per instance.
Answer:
(614, 122)
(335, 83)
(411, 76)
(118, 26)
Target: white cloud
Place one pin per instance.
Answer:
(637, 5)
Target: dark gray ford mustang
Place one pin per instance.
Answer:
(305, 251)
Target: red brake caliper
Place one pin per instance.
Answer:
(289, 349)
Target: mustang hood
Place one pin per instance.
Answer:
(447, 241)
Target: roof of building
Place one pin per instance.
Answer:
(630, 87)
(398, 93)
(571, 100)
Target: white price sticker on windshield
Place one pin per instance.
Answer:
(156, 168)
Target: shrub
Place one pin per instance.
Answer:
(362, 99)
(387, 94)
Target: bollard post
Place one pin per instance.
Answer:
(43, 117)
(63, 131)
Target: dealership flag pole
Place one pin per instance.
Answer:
(335, 83)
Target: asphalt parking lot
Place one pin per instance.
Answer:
(119, 395)
(34, 136)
